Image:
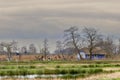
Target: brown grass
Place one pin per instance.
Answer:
(22, 57)
(31, 57)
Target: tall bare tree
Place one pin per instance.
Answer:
(15, 46)
(118, 51)
(108, 46)
(32, 48)
(8, 46)
(91, 37)
(59, 46)
(1, 49)
(72, 38)
(24, 49)
(45, 49)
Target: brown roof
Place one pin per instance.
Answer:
(97, 50)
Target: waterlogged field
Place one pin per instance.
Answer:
(60, 70)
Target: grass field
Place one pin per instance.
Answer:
(61, 70)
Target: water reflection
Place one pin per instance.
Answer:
(32, 76)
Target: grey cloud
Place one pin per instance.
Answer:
(39, 19)
(34, 18)
(94, 9)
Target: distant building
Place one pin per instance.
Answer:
(97, 53)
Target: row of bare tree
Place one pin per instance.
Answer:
(73, 39)
(10, 48)
(90, 38)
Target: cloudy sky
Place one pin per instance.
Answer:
(39, 19)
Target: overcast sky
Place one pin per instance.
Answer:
(39, 19)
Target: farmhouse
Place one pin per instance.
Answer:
(98, 53)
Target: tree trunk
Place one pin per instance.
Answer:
(76, 47)
(9, 56)
(90, 53)
(80, 55)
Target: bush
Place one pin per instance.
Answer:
(32, 67)
(57, 66)
(63, 72)
(73, 71)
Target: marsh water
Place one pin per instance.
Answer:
(32, 76)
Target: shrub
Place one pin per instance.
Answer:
(32, 67)
(57, 66)
(73, 71)
(63, 71)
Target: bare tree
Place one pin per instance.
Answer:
(8, 46)
(118, 47)
(1, 49)
(24, 49)
(14, 47)
(108, 46)
(32, 48)
(45, 49)
(59, 46)
(91, 37)
(72, 38)
(40, 49)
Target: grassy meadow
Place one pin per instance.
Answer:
(60, 70)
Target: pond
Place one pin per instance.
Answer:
(32, 76)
